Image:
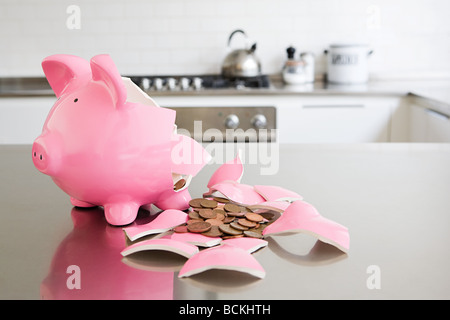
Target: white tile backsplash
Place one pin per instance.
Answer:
(409, 38)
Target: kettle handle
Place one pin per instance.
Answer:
(233, 33)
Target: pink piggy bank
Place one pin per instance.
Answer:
(106, 143)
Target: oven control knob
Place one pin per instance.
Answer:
(158, 84)
(171, 83)
(259, 121)
(197, 83)
(145, 84)
(232, 121)
(184, 83)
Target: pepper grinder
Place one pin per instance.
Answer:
(293, 70)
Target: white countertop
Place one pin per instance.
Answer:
(394, 199)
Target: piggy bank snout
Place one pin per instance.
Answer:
(41, 157)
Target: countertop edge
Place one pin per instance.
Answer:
(434, 92)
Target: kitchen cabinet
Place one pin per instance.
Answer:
(312, 118)
(300, 118)
(428, 125)
(22, 118)
(337, 120)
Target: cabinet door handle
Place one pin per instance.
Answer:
(332, 106)
(437, 114)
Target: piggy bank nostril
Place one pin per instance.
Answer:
(40, 157)
(34, 154)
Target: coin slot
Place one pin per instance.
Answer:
(180, 181)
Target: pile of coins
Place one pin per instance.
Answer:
(218, 217)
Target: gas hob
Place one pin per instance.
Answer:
(198, 82)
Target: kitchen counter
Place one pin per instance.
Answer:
(392, 197)
(437, 90)
(432, 94)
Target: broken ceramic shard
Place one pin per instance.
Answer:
(224, 257)
(237, 192)
(229, 171)
(165, 221)
(182, 248)
(196, 239)
(248, 244)
(302, 217)
(275, 193)
(278, 206)
(188, 156)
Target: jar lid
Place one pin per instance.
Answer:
(348, 45)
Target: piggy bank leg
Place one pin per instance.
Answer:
(120, 214)
(82, 204)
(174, 200)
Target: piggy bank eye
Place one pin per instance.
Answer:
(76, 99)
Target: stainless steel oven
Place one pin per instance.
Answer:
(216, 123)
(228, 124)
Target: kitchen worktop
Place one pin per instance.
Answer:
(435, 90)
(392, 197)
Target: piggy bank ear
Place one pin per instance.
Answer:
(65, 72)
(104, 70)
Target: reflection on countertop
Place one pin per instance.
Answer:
(88, 265)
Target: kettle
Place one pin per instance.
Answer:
(241, 62)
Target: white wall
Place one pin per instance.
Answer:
(410, 38)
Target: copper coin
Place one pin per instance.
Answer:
(236, 214)
(247, 223)
(195, 203)
(214, 222)
(232, 237)
(231, 207)
(252, 234)
(254, 217)
(207, 214)
(237, 226)
(226, 228)
(206, 203)
(228, 219)
(221, 200)
(180, 229)
(191, 221)
(213, 232)
(269, 214)
(260, 228)
(193, 215)
(218, 210)
(179, 184)
(199, 227)
(220, 214)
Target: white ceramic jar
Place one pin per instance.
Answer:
(348, 63)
